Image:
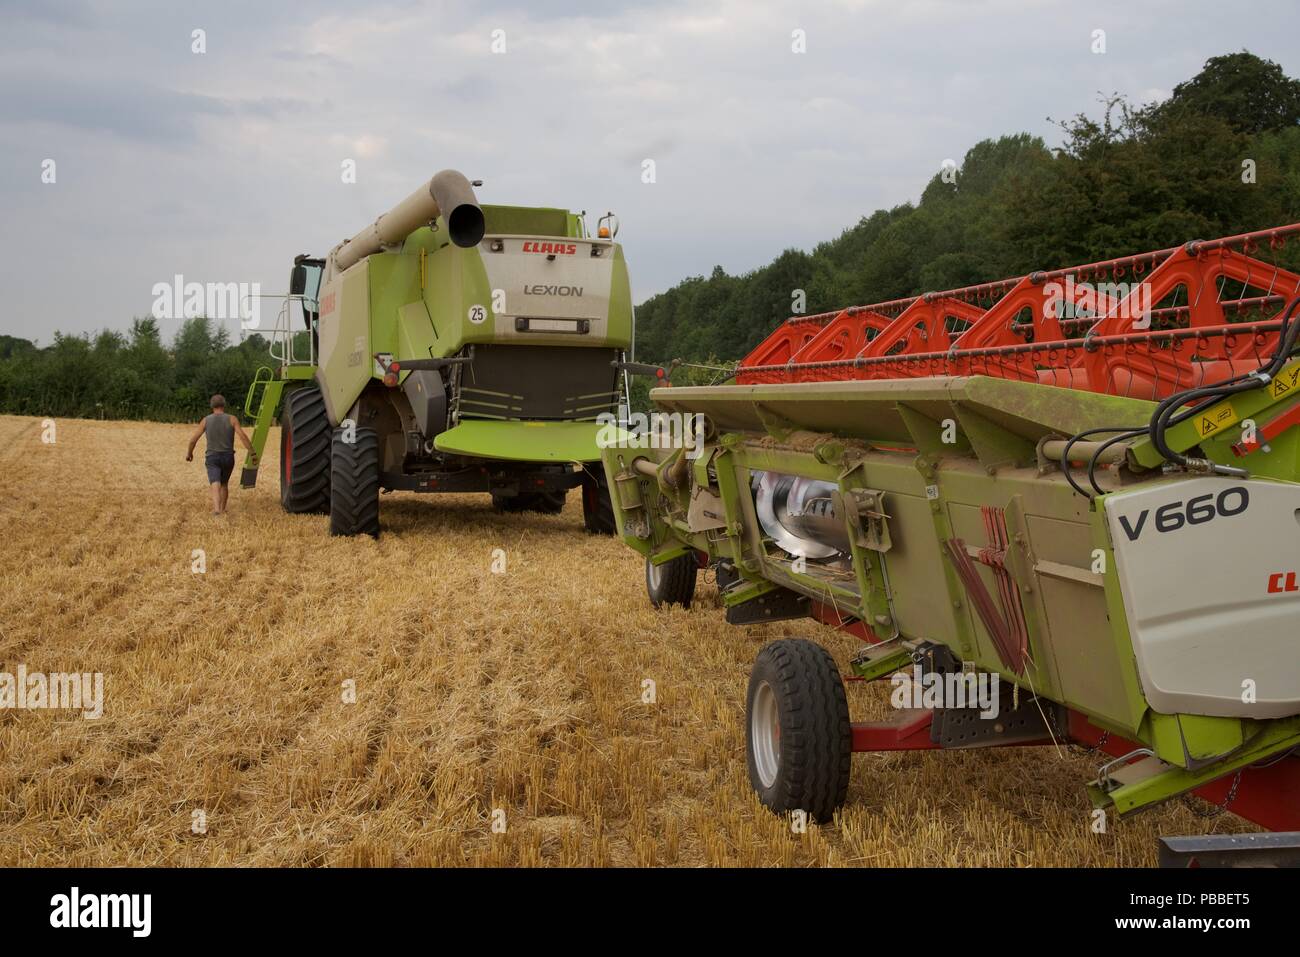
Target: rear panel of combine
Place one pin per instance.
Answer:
(536, 316)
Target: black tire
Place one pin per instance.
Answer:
(597, 508)
(805, 766)
(673, 582)
(354, 484)
(305, 452)
(548, 503)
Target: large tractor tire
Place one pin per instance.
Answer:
(305, 452)
(548, 503)
(673, 582)
(798, 742)
(597, 508)
(354, 484)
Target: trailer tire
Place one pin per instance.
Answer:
(305, 453)
(798, 742)
(354, 484)
(597, 507)
(673, 582)
(548, 503)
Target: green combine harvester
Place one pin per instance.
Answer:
(448, 347)
(1151, 615)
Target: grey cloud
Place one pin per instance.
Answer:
(142, 112)
(73, 12)
(146, 113)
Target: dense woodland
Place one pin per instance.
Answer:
(1127, 179)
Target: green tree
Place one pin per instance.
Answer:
(1247, 92)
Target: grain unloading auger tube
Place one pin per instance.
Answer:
(1064, 566)
(449, 347)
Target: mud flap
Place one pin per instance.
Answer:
(1034, 721)
(780, 604)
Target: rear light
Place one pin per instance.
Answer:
(390, 379)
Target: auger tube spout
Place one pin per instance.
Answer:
(448, 194)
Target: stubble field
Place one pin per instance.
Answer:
(480, 698)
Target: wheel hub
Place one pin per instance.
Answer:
(765, 734)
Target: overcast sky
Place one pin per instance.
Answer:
(222, 165)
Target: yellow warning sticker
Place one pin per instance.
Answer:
(1287, 381)
(1216, 419)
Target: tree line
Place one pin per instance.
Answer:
(132, 375)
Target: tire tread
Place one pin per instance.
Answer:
(354, 484)
(308, 429)
(677, 585)
(817, 738)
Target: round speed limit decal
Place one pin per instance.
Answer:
(477, 314)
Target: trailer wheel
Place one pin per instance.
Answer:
(354, 484)
(548, 503)
(597, 508)
(305, 453)
(673, 582)
(798, 742)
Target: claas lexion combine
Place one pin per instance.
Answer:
(1084, 484)
(449, 347)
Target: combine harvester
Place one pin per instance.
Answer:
(448, 347)
(1079, 489)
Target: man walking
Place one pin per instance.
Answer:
(220, 428)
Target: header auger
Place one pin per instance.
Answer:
(1072, 506)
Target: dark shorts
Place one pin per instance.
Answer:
(220, 465)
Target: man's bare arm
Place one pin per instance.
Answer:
(243, 436)
(194, 440)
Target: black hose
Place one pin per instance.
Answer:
(1096, 456)
(1175, 409)
(1167, 414)
(1065, 455)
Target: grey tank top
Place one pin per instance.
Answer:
(220, 432)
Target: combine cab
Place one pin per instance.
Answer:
(448, 347)
(1050, 521)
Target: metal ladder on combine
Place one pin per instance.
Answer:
(269, 382)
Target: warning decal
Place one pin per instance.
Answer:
(1216, 419)
(1287, 380)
